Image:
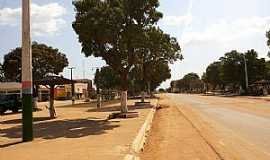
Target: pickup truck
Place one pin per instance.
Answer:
(10, 102)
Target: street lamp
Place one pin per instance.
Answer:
(246, 72)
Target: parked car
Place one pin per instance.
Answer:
(10, 102)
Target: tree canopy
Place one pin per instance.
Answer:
(160, 50)
(191, 77)
(107, 79)
(233, 68)
(46, 60)
(230, 69)
(123, 33)
(191, 83)
(153, 73)
(212, 74)
(114, 30)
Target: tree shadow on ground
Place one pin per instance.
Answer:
(74, 128)
(88, 104)
(19, 112)
(15, 121)
(117, 108)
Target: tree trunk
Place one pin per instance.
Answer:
(124, 86)
(143, 97)
(51, 107)
(124, 108)
(98, 101)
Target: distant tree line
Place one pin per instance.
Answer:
(228, 73)
(230, 70)
(190, 83)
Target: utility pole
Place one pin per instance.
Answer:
(246, 72)
(72, 85)
(27, 89)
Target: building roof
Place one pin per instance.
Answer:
(54, 80)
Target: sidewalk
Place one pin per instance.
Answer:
(79, 132)
(60, 103)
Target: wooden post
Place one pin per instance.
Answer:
(27, 89)
(51, 107)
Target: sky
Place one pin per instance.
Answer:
(205, 30)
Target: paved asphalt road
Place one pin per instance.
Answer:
(246, 118)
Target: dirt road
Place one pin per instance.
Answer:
(214, 128)
(173, 138)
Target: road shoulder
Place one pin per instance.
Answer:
(173, 137)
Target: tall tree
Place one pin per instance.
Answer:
(189, 83)
(232, 69)
(212, 74)
(161, 72)
(46, 60)
(160, 49)
(116, 31)
(256, 67)
(268, 70)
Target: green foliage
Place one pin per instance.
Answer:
(191, 77)
(114, 30)
(159, 46)
(268, 70)
(233, 69)
(122, 32)
(256, 66)
(161, 90)
(213, 73)
(230, 70)
(2, 75)
(46, 60)
(160, 49)
(107, 79)
(189, 83)
(153, 72)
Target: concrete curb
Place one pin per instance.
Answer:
(138, 143)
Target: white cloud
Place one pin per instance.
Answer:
(46, 19)
(224, 31)
(185, 20)
(9, 16)
(176, 20)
